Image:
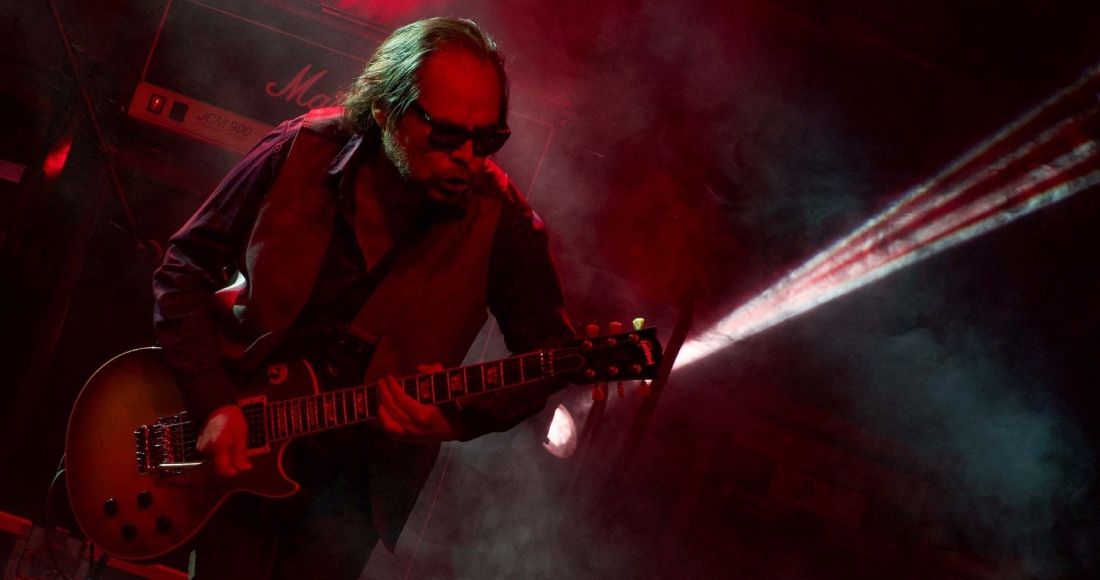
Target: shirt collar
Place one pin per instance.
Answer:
(339, 165)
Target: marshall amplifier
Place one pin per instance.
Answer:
(227, 77)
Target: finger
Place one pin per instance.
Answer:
(387, 393)
(222, 465)
(408, 406)
(240, 455)
(392, 428)
(432, 368)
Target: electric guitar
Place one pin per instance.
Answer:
(139, 489)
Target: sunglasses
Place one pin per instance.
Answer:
(447, 137)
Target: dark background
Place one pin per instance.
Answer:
(939, 423)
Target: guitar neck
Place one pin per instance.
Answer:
(313, 413)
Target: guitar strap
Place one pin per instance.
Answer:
(382, 307)
(354, 298)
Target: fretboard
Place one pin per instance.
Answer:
(304, 415)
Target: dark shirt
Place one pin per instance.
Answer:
(524, 292)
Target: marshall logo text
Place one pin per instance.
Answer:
(295, 90)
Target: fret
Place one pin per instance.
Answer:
(330, 410)
(295, 426)
(529, 370)
(424, 389)
(408, 384)
(269, 421)
(533, 367)
(475, 379)
(344, 400)
(372, 401)
(361, 403)
(282, 421)
(311, 413)
(456, 383)
(338, 406)
(492, 375)
(511, 373)
(439, 385)
(335, 409)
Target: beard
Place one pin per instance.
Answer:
(436, 192)
(397, 155)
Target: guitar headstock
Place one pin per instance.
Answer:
(625, 356)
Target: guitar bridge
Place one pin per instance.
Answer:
(167, 446)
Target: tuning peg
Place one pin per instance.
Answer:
(592, 330)
(621, 389)
(639, 323)
(597, 393)
(643, 388)
(614, 328)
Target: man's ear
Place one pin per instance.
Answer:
(378, 114)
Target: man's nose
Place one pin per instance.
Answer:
(464, 153)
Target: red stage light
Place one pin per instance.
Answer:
(56, 158)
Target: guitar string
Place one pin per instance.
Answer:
(518, 362)
(266, 419)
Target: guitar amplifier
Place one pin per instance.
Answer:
(38, 553)
(227, 76)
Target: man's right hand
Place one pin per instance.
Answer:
(224, 439)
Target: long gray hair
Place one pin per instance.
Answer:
(391, 77)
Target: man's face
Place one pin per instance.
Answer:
(456, 89)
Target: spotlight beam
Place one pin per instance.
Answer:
(920, 209)
(1008, 176)
(898, 243)
(971, 158)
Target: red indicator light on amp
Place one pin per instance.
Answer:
(156, 104)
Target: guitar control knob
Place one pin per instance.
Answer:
(145, 499)
(110, 507)
(164, 524)
(129, 531)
